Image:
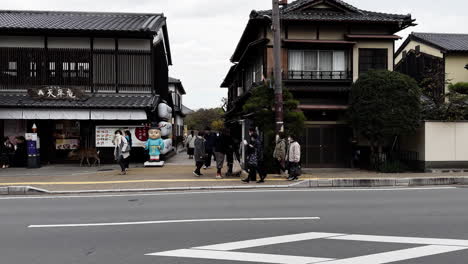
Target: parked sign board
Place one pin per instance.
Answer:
(105, 135)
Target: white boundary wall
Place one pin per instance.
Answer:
(439, 142)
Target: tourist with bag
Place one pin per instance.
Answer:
(294, 158)
(279, 154)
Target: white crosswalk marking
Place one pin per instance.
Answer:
(240, 256)
(224, 251)
(404, 240)
(268, 241)
(399, 255)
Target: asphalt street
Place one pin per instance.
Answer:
(305, 226)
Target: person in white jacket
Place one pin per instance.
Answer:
(121, 150)
(190, 143)
(294, 158)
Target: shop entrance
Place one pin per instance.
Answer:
(326, 146)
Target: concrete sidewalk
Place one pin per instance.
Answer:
(72, 178)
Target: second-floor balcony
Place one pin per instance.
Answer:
(318, 75)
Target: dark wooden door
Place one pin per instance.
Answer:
(326, 147)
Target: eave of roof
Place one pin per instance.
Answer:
(80, 21)
(178, 84)
(353, 36)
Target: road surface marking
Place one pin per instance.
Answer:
(224, 251)
(404, 240)
(220, 192)
(179, 221)
(268, 241)
(398, 255)
(239, 256)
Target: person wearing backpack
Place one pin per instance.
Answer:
(294, 158)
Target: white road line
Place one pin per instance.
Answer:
(178, 221)
(404, 240)
(398, 255)
(268, 241)
(239, 256)
(220, 192)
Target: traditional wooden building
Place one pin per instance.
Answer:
(326, 45)
(177, 91)
(442, 57)
(79, 76)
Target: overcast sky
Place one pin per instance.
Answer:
(204, 33)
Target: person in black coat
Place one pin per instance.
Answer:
(21, 152)
(210, 138)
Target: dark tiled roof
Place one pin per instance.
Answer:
(294, 11)
(448, 42)
(80, 21)
(104, 101)
(178, 83)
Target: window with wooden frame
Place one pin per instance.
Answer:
(372, 59)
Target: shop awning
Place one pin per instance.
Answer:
(118, 115)
(55, 114)
(72, 114)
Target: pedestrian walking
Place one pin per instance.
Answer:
(199, 153)
(253, 149)
(6, 152)
(294, 158)
(279, 154)
(21, 152)
(121, 150)
(190, 144)
(229, 148)
(128, 137)
(223, 144)
(210, 138)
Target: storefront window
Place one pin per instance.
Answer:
(67, 135)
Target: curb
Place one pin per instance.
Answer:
(21, 190)
(319, 183)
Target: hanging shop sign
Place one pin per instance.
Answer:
(57, 93)
(105, 135)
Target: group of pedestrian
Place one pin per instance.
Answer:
(207, 145)
(13, 155)
(123, 146)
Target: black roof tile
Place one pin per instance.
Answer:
(447, 41)
(80, 21)
(98, 101)
(294, 11)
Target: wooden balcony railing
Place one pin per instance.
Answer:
(318, 75)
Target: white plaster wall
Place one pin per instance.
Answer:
(332, 32)
(68, 43)
(440, 141)
(21, 41)
(134, 44)
(446, 141)
(104, 43)
(302, 32)
(461, 139)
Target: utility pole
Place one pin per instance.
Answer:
(277, 75)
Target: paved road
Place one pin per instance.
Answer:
(414, 217)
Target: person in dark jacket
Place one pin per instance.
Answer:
(199, 153)
(210, 138)
(21, 152)
(254, 156)
(128, 137)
